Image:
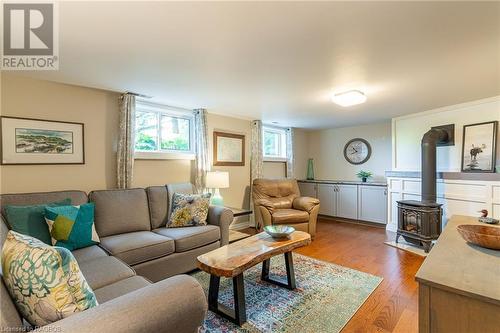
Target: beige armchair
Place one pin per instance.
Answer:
(278, 201)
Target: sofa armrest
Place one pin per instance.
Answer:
(222, 217)
(176, 304)
(305, 203)
(268, 204)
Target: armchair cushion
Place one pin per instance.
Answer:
(289, 216)
(305, 203)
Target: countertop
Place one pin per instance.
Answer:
(447, 175)
(453, 264)
(347, 182)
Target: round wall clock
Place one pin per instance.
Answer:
(357, 151)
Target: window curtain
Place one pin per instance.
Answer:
(256, 162)
(290, 158)
(201, 162)
(126, 141)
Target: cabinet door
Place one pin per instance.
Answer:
(372, 203)
(308, 189)
(326, 196)
(347, 201)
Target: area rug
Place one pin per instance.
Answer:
(326, 298)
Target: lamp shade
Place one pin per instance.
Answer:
(217, 179)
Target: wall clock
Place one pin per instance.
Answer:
(357, 151)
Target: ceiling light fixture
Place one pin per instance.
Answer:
(349, 98)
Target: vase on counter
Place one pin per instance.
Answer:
(310, 169)
(364, 179)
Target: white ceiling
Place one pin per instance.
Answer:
(279, 61)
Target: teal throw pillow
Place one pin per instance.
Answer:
(29, 220)
(72, 227)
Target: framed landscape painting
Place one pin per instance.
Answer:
(37, 141)
(479, 147)
(229, 149)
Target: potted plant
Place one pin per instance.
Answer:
(364, 175)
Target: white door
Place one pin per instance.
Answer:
(347, 201)
(326, 196)
(372, 203)
(308, 189)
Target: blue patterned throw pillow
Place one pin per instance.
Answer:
(72, 227)
(189, 210)
(45, 282)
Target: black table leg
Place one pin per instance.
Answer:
(237, 315)
(290, 273)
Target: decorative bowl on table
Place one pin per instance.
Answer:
(279, 231)
(481, 235)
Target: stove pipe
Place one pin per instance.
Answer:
(429, 143)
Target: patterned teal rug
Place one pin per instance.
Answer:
(326, 298)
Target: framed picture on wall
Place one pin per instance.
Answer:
(479, 147)
(229, 149)
(38, 141)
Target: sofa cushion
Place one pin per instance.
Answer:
(191, 237)
(45, 282)
(136, 247)
(77, 198)
(158, 205)
(104, 271)
(89, 253)
(120, 211)
(285, 216)
(120, 288)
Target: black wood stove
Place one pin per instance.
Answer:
(419, 222)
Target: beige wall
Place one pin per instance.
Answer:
(239, 176)
(301, 150)
(274, 170)
(326, 148)
(23, 97)
(98, 110)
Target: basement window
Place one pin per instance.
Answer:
(274, 143)
(163, 132)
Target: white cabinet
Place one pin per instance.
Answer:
(372, 203)
(308, 189)
(327, 199)
(347, 201)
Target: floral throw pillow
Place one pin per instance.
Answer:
(45, 282)
(189, 210)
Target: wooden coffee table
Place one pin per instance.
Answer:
(232, 260)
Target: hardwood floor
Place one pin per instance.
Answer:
(392, 307)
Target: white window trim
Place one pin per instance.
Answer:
(144, 106)
(282, 132)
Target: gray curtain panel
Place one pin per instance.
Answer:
(256, 162)
(126, 141)
(290, 158)
(201, 162)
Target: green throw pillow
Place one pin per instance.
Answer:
(189, 210)
(45, 282)
(72, 227)
(28, 220)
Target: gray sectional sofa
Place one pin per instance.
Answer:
(136, 270)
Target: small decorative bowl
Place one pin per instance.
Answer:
(279, 231)
(481, 235)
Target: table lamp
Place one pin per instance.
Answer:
(217, 180)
